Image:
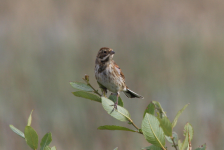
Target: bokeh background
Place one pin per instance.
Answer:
(169, 51)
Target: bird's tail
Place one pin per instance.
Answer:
(130, 94)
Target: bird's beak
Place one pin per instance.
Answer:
(112, 52)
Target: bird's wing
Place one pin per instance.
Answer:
(119, 70)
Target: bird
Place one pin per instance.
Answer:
(110, 77)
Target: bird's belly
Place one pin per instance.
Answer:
(110, 82)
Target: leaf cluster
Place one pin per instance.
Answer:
(31, 137)
(156, 127)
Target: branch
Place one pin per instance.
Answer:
(86, 79)
(132, 123)
(140, 132)
(174, 144)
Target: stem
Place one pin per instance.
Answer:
(140, 132)
(130, 121)
(175, 146)
(95, 91)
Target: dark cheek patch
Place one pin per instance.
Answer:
(106, 60)
(102, 56)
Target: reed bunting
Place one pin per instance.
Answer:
(109, 75)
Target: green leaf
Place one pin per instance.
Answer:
(175, 136)
(30, 119)
(177, 116)
(114, 99)
(150, 109)
(166, 126)
(188, 129)
(113, 127)
(116, 148)
(47, 148)
(202, 147)
(81, 86)
(180, 144)
(152, 131)
(53, 148)
(168, 138)
(46, 140)
(17, 131)
(152, 147)
(120, 114)
(159, 108)
(31, 137)
(87, 95)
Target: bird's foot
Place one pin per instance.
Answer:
(115, 107)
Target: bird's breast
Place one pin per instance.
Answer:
(109, 78)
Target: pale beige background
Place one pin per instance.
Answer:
(169, 51)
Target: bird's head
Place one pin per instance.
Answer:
(105, 54)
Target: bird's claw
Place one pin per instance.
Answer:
(115, 107)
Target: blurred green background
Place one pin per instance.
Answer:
(169, 51)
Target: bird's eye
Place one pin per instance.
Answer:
(104, 52)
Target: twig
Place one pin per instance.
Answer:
(86, 79)
(131, 122)
(139, 131)
(174, 144)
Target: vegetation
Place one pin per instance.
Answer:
(31, 137)
(156, 127)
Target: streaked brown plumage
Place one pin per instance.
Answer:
(110, 76)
